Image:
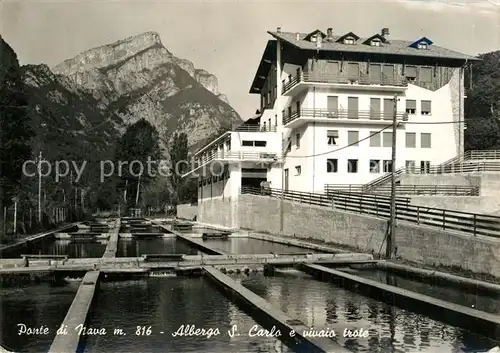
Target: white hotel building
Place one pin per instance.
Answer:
(326, 113)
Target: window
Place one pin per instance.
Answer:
(388, 73)
(411, 140)
(254, 143)
(425, 140)
(410, 166)
(297, 139)
(422, 45)
(411, 106)
(332, 106)
(275, 119)
(375, 73)
(290, 111)
(374, 166)
(353, 71)
(297, 107)
(298, 170)
(264, 126)
(425, 74)
(375, 110)
(349, 40)
(387, 139)
(352, 165)
(269, 122)
(332, 166)
(388, 108)
(332, 136)
(425, 167)
(375, 43)
(411, 73)
(228, 145)
(352, 107)
(353, 138)
(387, 166)
(425, 108)
(374, 139)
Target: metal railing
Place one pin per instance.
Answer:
(469, 162)
(254, 128)
(455, 190)
(379, 206)
(343, 114)
(360, 79)
(235, 155)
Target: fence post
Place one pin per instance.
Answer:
(15, 217)
(475, 223)
(444, 219)
(418, 215)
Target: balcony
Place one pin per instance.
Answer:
(226, 157)
(346, 116)
(294, 84)
(254, 128)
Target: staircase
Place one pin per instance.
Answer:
(488, 159)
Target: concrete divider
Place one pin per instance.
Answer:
(295, 242)
(291, 330)
(77, 315)
(477, 321)
(457, 281)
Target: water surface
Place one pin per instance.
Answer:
(324, 306)
(163, 305)
(34, 306)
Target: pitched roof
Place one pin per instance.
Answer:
(389, 47)
(347, 35)
(393, 47)
(308, 37)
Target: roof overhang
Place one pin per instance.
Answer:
(266, 62)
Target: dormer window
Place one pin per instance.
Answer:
(423, 45)
(313, 38)
(375, 43)
(349, 40)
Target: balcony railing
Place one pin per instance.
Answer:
(361, 79)
(343, 114)
(255, 128)
(264, 157)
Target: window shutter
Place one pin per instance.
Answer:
(426, 106)
(425, 74)
(411, 140)
(333, 133)
(411, 71)
(374, 139)
(411, 104)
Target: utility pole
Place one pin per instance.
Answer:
(40, 188)
(391, 239)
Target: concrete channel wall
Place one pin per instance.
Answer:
(426, 245)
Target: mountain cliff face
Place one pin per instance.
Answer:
(139, 78)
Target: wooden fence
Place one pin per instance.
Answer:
(379, 206)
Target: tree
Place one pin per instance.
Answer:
(15, 128)
(138, 151)
(179, 163)
(482, 106)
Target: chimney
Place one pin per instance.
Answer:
(385, 32)
(297, 36)
(278, 30)
(329, 34)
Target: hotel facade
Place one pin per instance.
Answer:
(327, 103)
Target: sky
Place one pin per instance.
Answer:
(227, 38)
